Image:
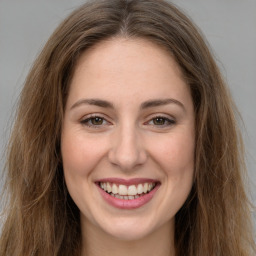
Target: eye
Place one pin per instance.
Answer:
(161, 121)
(94, 121)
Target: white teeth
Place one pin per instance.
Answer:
(126, 192)
(145, 188)
(109, 189)
(132, 191)
(122, 190)
(140, 189)
(115, 189)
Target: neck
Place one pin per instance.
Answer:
(95, 242)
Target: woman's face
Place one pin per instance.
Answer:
(128, 138)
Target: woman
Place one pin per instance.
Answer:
(125, 142)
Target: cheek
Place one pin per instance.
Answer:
(175, 153)
(79, 153)
(176, 157)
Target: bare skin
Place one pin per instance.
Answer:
(129, 115)
(159, 243)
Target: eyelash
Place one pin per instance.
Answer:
(88, 121)
(169, 121)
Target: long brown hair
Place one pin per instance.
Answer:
(41, 218)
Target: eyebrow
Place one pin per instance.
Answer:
(144, 105)
(160, 102)
(95, 102)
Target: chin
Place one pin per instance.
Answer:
(129, 229)
(128, 234)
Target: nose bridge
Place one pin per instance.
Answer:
(127, 149)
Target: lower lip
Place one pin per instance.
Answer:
(131, 203)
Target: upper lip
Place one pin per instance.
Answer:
(127, 182)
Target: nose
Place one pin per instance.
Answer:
(127, 150)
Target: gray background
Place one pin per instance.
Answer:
(229, 26)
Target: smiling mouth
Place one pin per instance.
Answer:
(125, 192)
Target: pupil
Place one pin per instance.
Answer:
(97, 120)
(159, 121)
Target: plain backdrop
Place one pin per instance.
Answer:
(228, 25)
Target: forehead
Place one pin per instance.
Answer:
(127, 68)
(116, 54)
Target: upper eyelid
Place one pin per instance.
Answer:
(164, 117)
(93, 115)
(169, 119)
(87, 121)
(167, 116)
